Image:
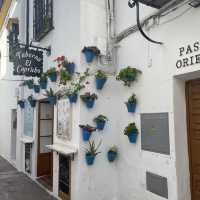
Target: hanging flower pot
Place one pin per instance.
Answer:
(21, 104)
(112, 154)
(53, 77)
(90, 53)
(43, 85)
(100, 121)
(32, 101)
(36, 88)
(52, 100)
(92, 152)
(89, 158)
(128, 75)
(90, 103)
(131, 104)
(131, 107)
(101, 79)
(52, 74)
(70, 67)
(133, 137)
(87, 131)
(43, 82)
(89, 99)
(132, 132)
(51, 97)
(73, 98)
(29, 83)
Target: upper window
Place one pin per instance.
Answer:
(13, 28)
(1, 4)
(43, 18)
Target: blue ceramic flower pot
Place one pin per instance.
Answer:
(52, 100)
(131, 107)
(133, 137)
(30, 86)
(73, 98)
(89, 55)
(111, 155)
(100, 82)
(43, 85)
(89, 159)
(21, 104)
(89, 103)
(36, 88)
(53, 77)
(71, 68)
(100, 125)
(32, 103)
(86, 135)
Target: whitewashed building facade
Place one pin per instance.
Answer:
(164, 163)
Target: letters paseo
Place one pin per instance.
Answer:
(189, 55)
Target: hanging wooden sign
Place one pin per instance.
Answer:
(28, 62)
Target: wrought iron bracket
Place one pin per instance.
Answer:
(135, 3)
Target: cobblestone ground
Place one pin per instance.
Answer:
(17, 186)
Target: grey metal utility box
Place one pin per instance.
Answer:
(157, 184)
(155, 132)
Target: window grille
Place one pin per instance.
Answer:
(43, 18)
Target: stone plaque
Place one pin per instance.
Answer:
(155, 132)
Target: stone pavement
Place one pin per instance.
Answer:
(17, 186)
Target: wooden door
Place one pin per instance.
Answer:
(193, 110)
(45, 137)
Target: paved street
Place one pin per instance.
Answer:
(17, 186)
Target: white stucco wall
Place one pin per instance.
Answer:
(160, 88)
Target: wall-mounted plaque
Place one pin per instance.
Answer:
(155, 132)
(64, 119)
(28, 62)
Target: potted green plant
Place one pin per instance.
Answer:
(36, 88)
(128, 75)
(90, 53)
(29, 83)
(89, 99)
(101, 79)
(131, 103)
(43, 81)
(64, 76)
(132, 132)
(112, 153)
(32, 101)
(52, 74)
(87, 131)
(51, 96)
(76, 86)
(21, 103)
(100, 121)
(92, 152)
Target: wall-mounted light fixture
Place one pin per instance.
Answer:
(195, 3)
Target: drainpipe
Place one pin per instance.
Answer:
(110, 18)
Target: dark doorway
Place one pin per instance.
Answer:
(64, 177)
(45, 137)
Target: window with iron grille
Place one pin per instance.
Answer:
(13, 39)
(43, 18)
